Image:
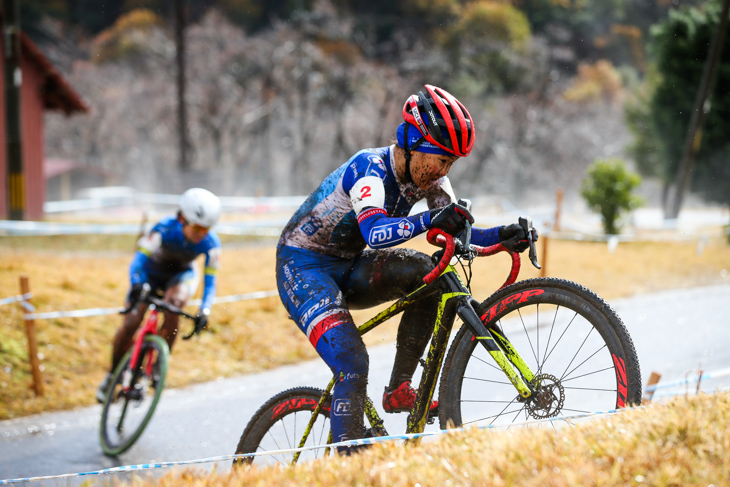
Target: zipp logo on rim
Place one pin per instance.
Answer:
(512, 298)
(621, 383)
(295, 403)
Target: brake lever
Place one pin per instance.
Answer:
(526, 224)
(464, 247)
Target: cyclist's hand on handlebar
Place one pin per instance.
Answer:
(451, 219)
(514, 237)
(135, 292)
(201, 320)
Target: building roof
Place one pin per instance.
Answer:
(55, 166)
(57, 94)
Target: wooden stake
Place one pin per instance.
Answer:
(555, 228)
(32, 344)
(653, 379)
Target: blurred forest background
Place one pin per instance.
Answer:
(281, 92)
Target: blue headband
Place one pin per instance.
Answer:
(413, 136)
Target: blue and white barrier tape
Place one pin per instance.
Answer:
(269, 227)
(362, 441)
(15, 299)
(239, 297)
(83, 313)
(705, 376)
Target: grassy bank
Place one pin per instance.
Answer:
(255, 335)
(679, 443)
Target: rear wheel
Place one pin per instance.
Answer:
(582, 356)
(128, 409)
(280, 424)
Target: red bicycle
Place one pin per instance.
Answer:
(138, 380)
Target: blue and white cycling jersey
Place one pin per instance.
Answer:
(363, 203)
(164, 252)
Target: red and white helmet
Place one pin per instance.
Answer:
(442, 120)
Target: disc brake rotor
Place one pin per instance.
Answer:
(548, 399)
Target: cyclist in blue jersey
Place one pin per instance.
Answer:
(336, 253)
(164, 261)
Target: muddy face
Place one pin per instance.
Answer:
(427, 168)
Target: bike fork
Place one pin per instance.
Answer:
(466, 312)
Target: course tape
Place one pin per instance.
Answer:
(362, 441)
(268, 227)
(83, 313)
(15, 299)
(705, 376)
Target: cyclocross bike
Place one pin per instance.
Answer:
(138, 379)
(568, 353)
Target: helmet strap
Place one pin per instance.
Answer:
(408, 154)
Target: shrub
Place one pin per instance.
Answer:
(608, 189)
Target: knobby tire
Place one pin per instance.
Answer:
(137, 410)
(566, 334)
(280, 424)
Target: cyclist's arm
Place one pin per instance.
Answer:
(210, 274)
(484, 237)
(146, 246)
(378, 229)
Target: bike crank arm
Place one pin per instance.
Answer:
(486, 339)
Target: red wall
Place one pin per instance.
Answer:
(31, 105)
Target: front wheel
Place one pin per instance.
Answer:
(133, 395)
(280, 424)
(580, 352)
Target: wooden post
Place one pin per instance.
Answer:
(699, 381)
(558, 209)
(32, 344)
(653, 379)
(555, 228)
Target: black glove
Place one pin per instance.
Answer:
(201, 320)
(451, 219)
(135, 292)
(514, 237)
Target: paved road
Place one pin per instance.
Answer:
(675, 333)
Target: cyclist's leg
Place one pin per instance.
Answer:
(178, 290)
(309, 286)
(383, 275)
(124, 337)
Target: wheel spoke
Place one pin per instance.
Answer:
(547, 345)
(586, 360)
(576, 353)
(557, 342)
(487, 362)
(597, 389)
(489, 380)
(527, 334)
(586, 374)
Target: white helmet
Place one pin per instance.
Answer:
(200, 207)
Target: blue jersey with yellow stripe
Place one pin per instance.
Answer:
(165, 252)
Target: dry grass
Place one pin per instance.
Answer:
(681, 443)
(254, 335)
